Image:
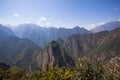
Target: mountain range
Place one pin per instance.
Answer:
(30, 45)
(43, 36)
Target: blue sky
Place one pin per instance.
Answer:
(59, 13)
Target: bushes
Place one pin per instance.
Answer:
(86, 69)
(55, 73)
(89, 70)
(13, 73)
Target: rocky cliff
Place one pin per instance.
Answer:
(53, 55)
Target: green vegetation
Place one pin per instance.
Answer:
(86, 69)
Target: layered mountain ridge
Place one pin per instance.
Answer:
(16, 51)
(42, 36)
(69, 45)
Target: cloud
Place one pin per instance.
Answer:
(42, 19)
(95, 25)
(16, 15)
(48, 22)
(116, 8)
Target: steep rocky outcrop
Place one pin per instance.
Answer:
(53, 55)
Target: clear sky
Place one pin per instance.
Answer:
(59, 13)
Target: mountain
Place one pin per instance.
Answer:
(65, 51)
(31, 32)
(100, 44)
(103, 45)
(25, 53)
(78, 45)
(110, 46)
(6, 30)
(53, 55)
(42, 36)
(106, 27)
(16, 51)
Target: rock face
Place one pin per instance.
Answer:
(53, 55)
(106, 27)
(42, 36)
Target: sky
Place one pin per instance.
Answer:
(59, 13)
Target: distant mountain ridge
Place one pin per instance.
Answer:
(43, 36)
(106, 26)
